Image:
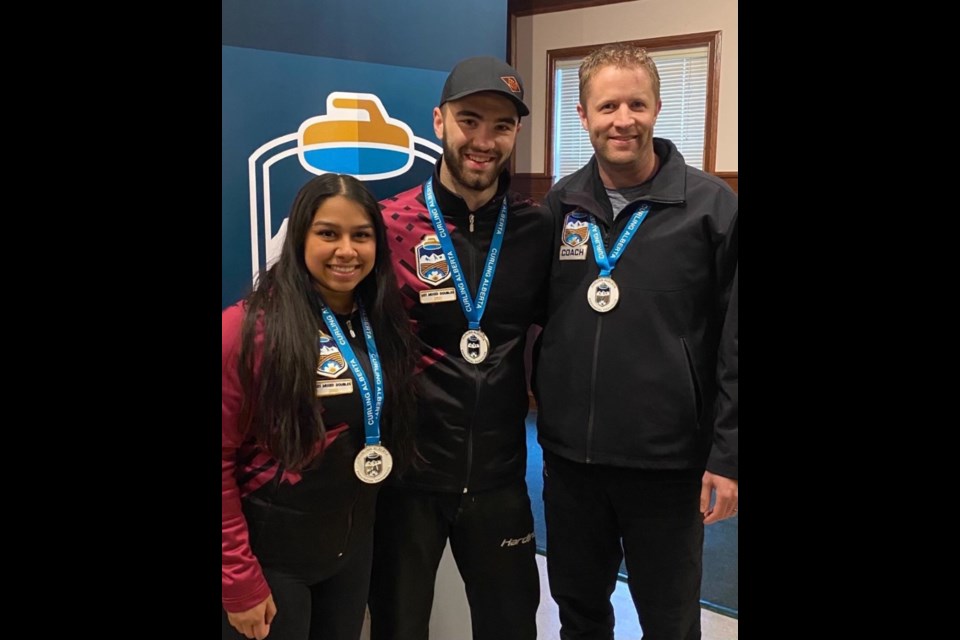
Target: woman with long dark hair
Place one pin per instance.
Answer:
(318, 399)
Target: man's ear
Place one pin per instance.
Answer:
(438, 122)
(583, 117)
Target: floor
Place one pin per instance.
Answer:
(713, 625)
(451, 616)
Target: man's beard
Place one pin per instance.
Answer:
(477, 181)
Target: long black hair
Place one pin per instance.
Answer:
(280, 405)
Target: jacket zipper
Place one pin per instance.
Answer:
(466, 481)
(593, 370)
(476, 374)
(593, 387)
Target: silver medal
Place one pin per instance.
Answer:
(474, 345)
(373, 464)
(603, 294)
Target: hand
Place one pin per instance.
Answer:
(727, 500)
(255, 622)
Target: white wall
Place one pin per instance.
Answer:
(636, 20)
(450, 617)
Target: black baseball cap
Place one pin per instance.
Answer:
(484, 73)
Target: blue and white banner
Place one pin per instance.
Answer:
(311, 88)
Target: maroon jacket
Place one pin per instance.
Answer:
(286, 520)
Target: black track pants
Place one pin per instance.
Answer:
(491, 537)
(327, 605)
(590, 510)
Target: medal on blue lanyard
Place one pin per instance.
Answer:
(374, 462)
(474, 344)
(603, 293)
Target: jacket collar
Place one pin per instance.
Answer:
(585, 189)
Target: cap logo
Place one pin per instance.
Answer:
(512, 83)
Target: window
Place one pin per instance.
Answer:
(688, 87)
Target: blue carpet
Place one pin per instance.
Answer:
(718, 590)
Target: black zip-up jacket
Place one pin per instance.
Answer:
(652, 383)
(471, 430)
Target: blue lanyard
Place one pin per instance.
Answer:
(473, 310)
(608, 262)
(371, 411)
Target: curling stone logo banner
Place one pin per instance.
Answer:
(355, 136)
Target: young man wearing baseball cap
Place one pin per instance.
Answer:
(472, 259)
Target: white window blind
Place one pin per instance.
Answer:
(683, 92)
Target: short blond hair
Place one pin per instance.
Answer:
(624, 55)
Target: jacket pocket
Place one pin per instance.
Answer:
(287, 538)
(693, 381)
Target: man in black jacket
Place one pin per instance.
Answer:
(473, 261)
(637, 373)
